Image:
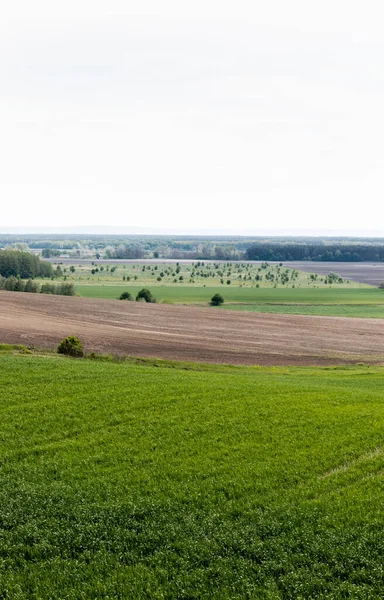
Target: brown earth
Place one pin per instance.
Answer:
(369, 273)
(189, 333)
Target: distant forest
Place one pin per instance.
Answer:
(318, 252)
(330, 249)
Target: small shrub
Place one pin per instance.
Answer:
(71, 346)
(20, 286)
(47, 288)
(65, 289)
(126, 296)
(381, 286)
(217, 300)
(146, 295)
(10, 283)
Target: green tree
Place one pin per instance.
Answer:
(65, 289)
(146, 295)
(47, 288)
(71, 346)
(217, 300)
(31, 287)
(19, 286)
(10, 283)
(126, 296)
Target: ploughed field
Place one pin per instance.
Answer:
(189, 333)
(370, 273)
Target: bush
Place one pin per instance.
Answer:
(65, 289)
(381, 286)
(31, 287)
(126, 296)
(146, 295)
(217, 300)
(10, 283)
(71, 346)
(20, 286)
(47, 288)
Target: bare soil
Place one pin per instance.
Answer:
(369, 273)
(189, 333)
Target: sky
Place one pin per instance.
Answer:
(204, 116)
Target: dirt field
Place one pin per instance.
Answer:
(191, 334)
(371, 273)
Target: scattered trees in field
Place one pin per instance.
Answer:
(71, 346)
(333, 278)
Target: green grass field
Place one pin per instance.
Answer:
(164, 481)
(363, 302)
(372, 311)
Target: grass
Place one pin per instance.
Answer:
(364, 302)
(190, 295)
(373, 311)
(159, 480)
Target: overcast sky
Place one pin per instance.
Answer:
(201, 115)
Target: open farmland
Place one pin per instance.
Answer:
(362, 272)
(369, 273)
(189, 333)
(148, 482)
(199, 274)
(246, 286)
(338, 302)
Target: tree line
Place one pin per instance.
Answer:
(23, 265)
(316, 252)
(16, 284)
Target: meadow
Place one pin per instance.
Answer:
(158, 480)
(200, 274)
(344, 302)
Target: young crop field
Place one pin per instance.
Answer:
(354, 302)
(174, 480)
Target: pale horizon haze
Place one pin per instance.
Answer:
(236, 117)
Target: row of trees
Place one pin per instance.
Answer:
(316, 252)
(23, 265)
(16, 284)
